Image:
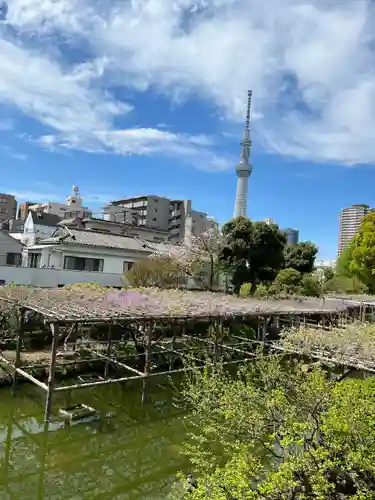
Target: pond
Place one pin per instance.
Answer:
(132, 452)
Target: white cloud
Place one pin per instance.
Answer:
(310, 65)
(196, 150)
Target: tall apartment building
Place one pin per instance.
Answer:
(23, 209)
(292, 235)
(8, 207)
(350, 220)
(174, 217)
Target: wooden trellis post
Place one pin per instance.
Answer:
(109, 350)
(52, 372)
(147, 361)
(20, 333)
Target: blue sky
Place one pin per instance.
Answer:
(148, 96)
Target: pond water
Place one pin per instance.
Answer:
(131, 453)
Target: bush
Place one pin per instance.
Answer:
(159, 272)
(310, 286)
(261, 291)
(288, 282)
(345, 285)
(245, 290)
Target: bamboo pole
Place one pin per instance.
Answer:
(225, 346)
(32, 379)
(184, 355)
(52, 372)
(112, 381)
(118, 363)
(147, 361)
(109, 350)
(264, 329)
(17, 363)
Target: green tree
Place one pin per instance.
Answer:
(201, 258)
(301, 256)
(287, 282)
(328, 273)
(343, 264)
(362, 252)
(275, 432)
(253, 251)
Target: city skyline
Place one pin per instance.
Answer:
(121, 116)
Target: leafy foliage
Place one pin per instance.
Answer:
(275, 432)
(328, 274)
(344, 261)
(158, 271)
(261, 291)
(287, 282)
(310, 285)
(344, 285)
(362, 252)
(301, 256)
(246, 290)
(253, 250)
(356, 341)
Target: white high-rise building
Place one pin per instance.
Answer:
(69, 210)
(350, 220)
(244, 168)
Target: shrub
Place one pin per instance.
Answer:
(245, 290)
(345, 285)
(288, 281)
(261, 291)
(160, 272)
(310, 286)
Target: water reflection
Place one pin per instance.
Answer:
(131, 452)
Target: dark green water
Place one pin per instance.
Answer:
(130, 455)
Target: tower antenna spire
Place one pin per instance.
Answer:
(247, 122)
(244, 168)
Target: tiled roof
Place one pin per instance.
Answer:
(96, 239)
(43, 219)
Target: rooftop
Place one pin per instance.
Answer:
(82, 304)
(74, 236)
(43, 219)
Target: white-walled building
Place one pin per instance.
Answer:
(85, 250)
(38, 226)
(72, 208)
(10, 250)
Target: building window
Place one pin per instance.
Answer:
(14, 259)
(83, 264)
(127, 266)
(34, 260)
(154, 219)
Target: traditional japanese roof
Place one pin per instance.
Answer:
(94, 238)
(100, 305)
(43, 219)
